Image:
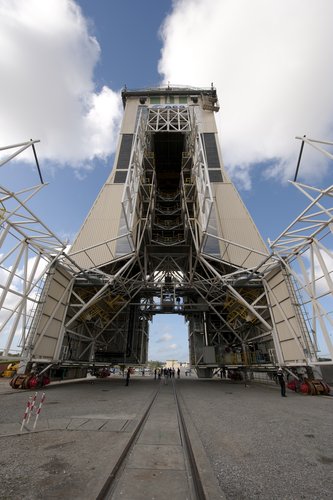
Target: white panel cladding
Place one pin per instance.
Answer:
(288, 330)
(281, 291)
(236, 225)
(93, 245)
(52, 303)
(48, 330)
(281, 295)
(129, 119)
(274, 280)
(291, 352)
(205, 120)
(286, 324)
(288, 310)
(44, 319)
(47, 345)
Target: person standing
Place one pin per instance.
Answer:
(128, 376)
(282, 383)
(178, 372)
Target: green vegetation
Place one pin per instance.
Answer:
(154, 364)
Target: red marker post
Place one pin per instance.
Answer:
(27, 410)
(32, 405)
(39, 410)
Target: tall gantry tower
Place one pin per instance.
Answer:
(169, 234)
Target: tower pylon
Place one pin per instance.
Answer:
(169, 234)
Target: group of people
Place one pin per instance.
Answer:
(170, 373)
(158, 373)
(166, 372)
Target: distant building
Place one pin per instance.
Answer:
(172, 363)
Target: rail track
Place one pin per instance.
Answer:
(159, 459)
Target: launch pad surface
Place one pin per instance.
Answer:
(254, 446)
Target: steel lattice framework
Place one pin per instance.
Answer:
(28, 250)
(305, 246)
(168, 257)
(144, 274)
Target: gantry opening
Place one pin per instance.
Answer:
(168, 338)
(168, 148)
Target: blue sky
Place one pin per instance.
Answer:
(63, 64)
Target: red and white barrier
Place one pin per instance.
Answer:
(32, 405)
(30, 408)
(27, 410)
(39, 410)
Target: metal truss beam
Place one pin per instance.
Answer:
(305, 248)
(29, 249)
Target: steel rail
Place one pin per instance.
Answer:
(197, 490)
(108, 487)
(196, 479)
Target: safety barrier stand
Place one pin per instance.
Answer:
(27, 410)
(39, 409)
(30, 408)
(32, 405)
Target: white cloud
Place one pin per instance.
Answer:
(271, 65)
(47, 90)
(166, 350)
(164, 338)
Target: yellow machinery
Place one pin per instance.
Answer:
(11, 369)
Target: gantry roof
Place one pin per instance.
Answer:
(167, 90)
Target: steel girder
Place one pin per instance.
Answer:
(305, 247)
(29, 249)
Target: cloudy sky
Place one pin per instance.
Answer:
(63, 64)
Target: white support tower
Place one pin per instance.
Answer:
(169, 234)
